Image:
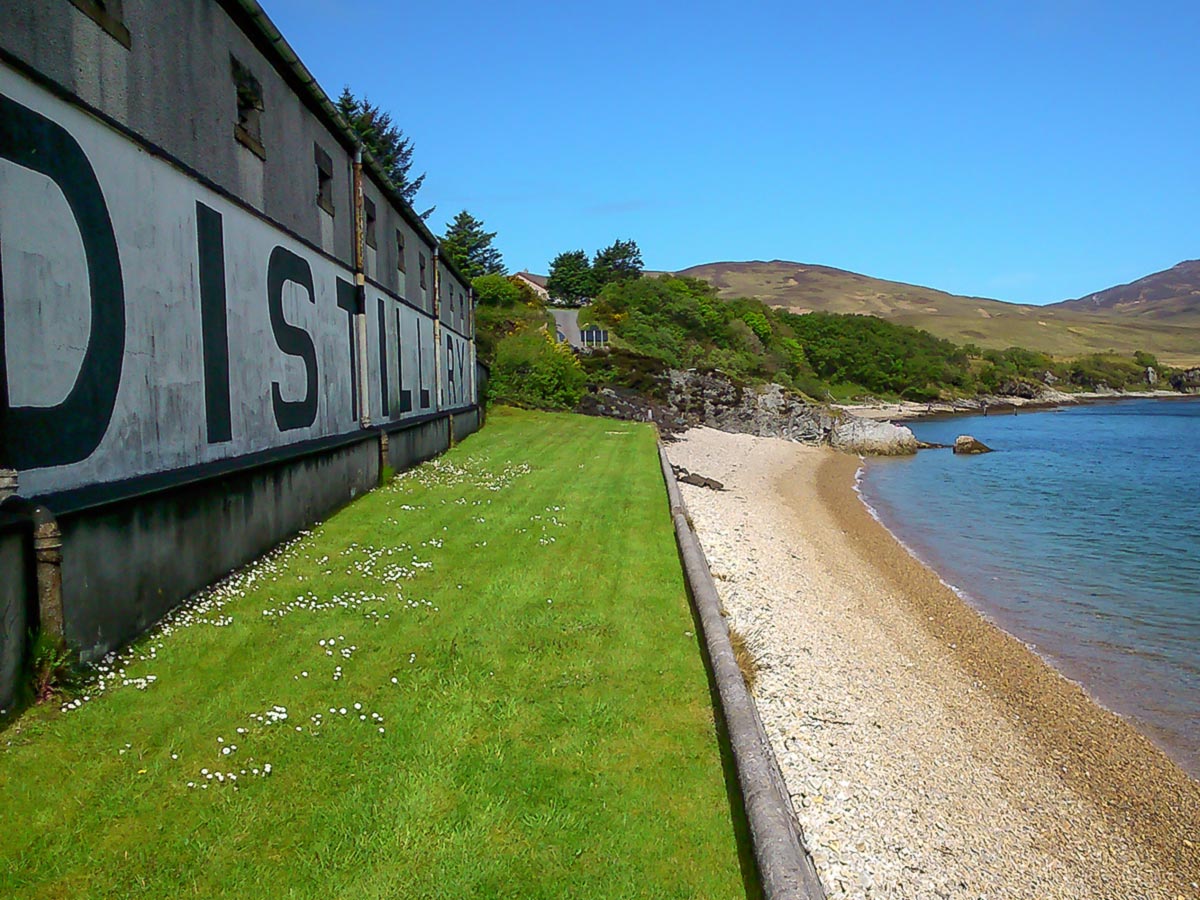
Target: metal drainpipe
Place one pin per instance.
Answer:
(437, 329)
(474, 392)
(47, 550)
(360, 287)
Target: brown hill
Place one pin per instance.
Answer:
(1060, 330)
(1173, 294)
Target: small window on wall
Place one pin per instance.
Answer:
(248, 130)
(422, 260)
(369, 222)
(399, 249)
(324, 179)
(109, 15)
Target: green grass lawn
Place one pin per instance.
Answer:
(521, 708)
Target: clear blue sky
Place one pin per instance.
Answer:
(1029, 151)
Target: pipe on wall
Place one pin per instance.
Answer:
(360, 288)
(48, 557)
(437, 327)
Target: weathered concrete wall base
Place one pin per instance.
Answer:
(127, 564)
(410, 446)
(465, 423)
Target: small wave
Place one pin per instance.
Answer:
(971, 601)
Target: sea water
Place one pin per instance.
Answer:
(1079, 535)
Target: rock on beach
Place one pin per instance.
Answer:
(967, 445)
(872, 438)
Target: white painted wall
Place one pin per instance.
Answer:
(158, 422)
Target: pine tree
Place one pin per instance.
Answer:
(385, 142)
(470, 248)
(620, 261)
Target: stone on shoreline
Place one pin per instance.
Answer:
(966, 444)
(686, 477)
(872, 438)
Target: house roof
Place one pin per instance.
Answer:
(257, 25)
(539, 280)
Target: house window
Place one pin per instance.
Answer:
(109, 15)
(324, 179)
(369, 218)
(248, 130)
(399, 250)
(422, 260)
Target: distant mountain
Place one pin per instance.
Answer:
(804, 287)
(1173, 294)
(1060, 329)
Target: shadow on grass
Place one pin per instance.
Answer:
(733, 790)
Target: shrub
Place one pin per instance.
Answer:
(758, 324)
(531, 370)
(497, 290)
(625, 369)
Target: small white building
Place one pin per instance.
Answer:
(536, 283)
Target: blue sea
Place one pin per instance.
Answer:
(1080, 536)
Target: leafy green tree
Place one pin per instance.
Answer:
(470, 248)
(571, 278)
(385, 142)
(619, 261)
(496, 290)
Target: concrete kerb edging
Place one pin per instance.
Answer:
(784, 866)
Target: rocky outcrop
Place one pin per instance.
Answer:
(713, 400)
(1015, 387)
(1187, 381)
(872, 438)
(967, 445)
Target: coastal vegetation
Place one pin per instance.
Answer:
(1158, 313)
(660, 322)
(656, 323)
(681, 322)
(480, 680)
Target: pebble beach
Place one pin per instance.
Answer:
(928, 754)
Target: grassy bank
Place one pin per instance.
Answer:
(479, 681)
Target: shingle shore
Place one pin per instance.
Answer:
(928, 753)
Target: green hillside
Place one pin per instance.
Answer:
(1060, 330)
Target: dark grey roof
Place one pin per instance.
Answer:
(258, 26)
